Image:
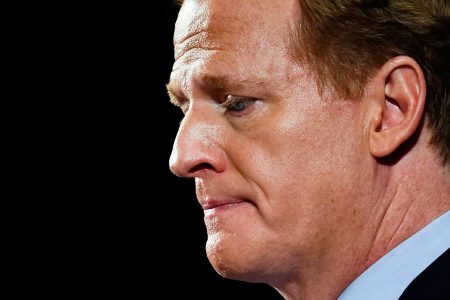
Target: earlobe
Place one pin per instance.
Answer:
(398, 106)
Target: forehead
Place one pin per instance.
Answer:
(245, 42)
(226, 23)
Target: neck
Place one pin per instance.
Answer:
(418, 191)
(405, 198)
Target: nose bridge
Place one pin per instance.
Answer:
(197, 146)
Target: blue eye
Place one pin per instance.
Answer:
(239, 105)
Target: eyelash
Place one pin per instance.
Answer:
(232, 101)
(229, 105)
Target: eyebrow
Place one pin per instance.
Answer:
(219, 83)
(173, 97)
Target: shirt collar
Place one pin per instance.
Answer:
(390, 275)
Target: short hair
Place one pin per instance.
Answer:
(346, 41)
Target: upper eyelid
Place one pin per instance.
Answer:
(233, 99)
(181, 102)
(228, 105)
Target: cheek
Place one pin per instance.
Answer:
(298, 161)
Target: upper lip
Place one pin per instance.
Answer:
(213, 203)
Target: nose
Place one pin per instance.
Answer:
(197, 149)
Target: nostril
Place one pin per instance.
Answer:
(200, 167)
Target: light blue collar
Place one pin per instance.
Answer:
(390, 275)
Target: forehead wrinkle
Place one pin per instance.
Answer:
(192, 41)
(204, 41)
(210, 38)
(203, 25)
(190, 35)
(192, 19)
(198, 41)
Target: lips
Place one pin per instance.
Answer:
(211, 204)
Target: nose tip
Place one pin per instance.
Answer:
(190, 166)
(174, 164)
(198, 146)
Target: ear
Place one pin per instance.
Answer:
(397, 104)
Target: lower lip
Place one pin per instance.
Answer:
(221, 209)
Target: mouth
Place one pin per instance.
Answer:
(226, 210)
(216, 204)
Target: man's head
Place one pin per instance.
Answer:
(289, 179)
(346, 41)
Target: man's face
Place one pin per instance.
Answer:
(277, 168)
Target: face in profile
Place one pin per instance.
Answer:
(276, 167)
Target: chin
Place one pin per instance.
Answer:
(234, 260)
